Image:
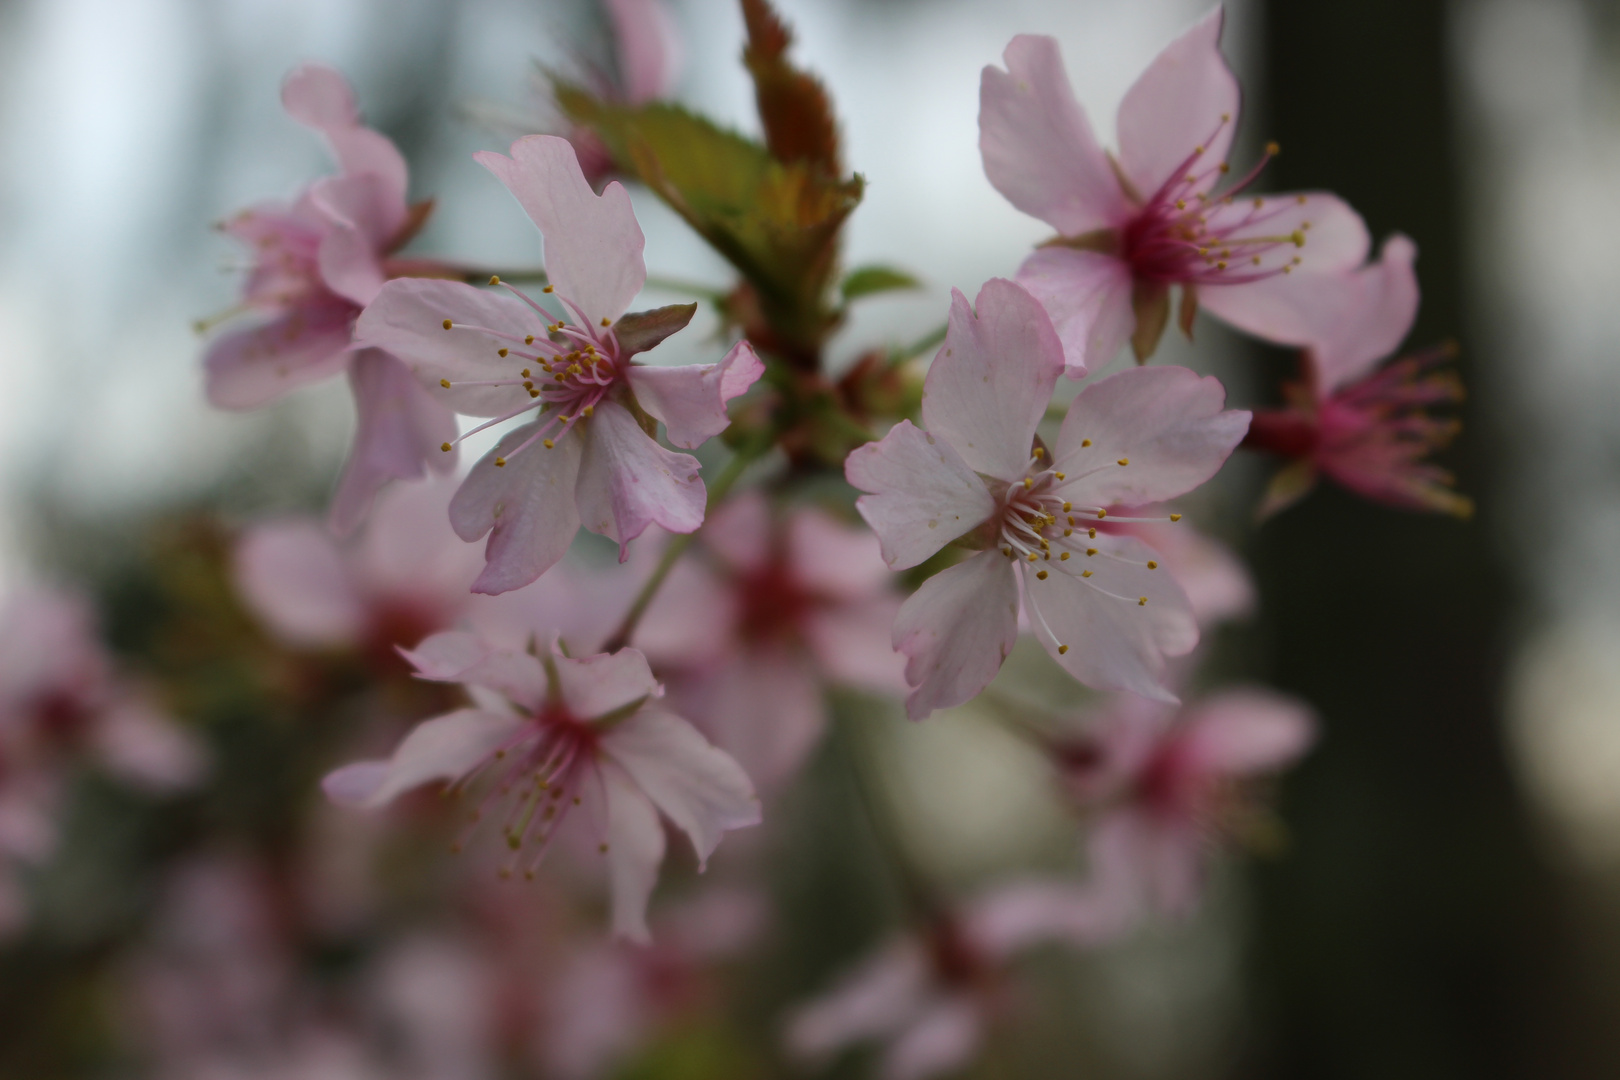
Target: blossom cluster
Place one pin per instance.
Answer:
(794, 550)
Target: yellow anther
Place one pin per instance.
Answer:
(500, 463)
(602, 847)
(1181, 204)
(501, 352)
(447, 324)
(1085, 442)
(1225, 168)
(1068, 532)
(587, 410)
(528, 384)
(1032, 556)
(494, 279)
(604, 321)
(1092, 533)
(1007, 551)
(1067, 507)
(1220, 265)
(529, 340)
(1037, 452)
(549, 288)
(1198, 150)
(1298, 237)
(574, 369)
(547, 443)
(1124, 461)
(1060, 476)
(1040, 574)
(1101, 514)
(1085, 573)
(524, 373)
(1063, 557)
(1226, 118)
(1258, 203)
(1141, 602)
(1175, 517)
(1300, 199)
(1152, 565)
(1255, 260)
(445, 447)
(1272, 149)
(1091, 551)
(445, 383)
(1062, 649)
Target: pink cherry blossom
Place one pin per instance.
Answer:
(1131, 227)
(1368, 429)
(1098, 603)
(585, 457)
(1165, 787)
(405, 577)
(930, 997)
(573, 745)
(316, 263)
(776, 609)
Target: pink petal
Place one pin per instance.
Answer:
(878, 996)
(691, 399)
(357, 203)
(1241, 732)
(399, 428)
(628, 482)
(834, 559)
(1289, 309)
(1017, 916)
(649, 48)
(922, 494)
(292, 577)
(527, 506)
(593, 245)
(1088, 296)
(741, 532)
(447, 655)
(956, 630)
(349, 266)
(1114, 642)
(691, 621)
(407, 319)
(698, 787)
(1149, 862)
(320, 98)
(763, 707)
(1186, 98)
(1167, 423)
(1377, 307)
(146, 747)
(517, 676)
(445, 748)
(246, 369)
(604, 683)
(634, 847)
(410, 554)
(1037, 144)
(941, 1040)
(853, 643)
(1215, 579)
(991, 380)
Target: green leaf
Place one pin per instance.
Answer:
(776, 222)
(867, 280)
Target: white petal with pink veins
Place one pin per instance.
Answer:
(991, 380)
(593, 244)
(1037, 145)
(698, 787)
(922, 495)
(628, 482)
(956, 630)
(1087, 294)
(1242, 732)
(527, 506)
(1166, 424)
(445, 748)
(597, 685)
(633, 849)
(691, 399)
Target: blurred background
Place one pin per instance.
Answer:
(1448, 904)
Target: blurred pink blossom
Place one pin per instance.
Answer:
(1099, 603)
(929, 997)
(582, 745)
(647, 62)
(1166, 786)
(1132, 226)
(485, 354)
(316, 263)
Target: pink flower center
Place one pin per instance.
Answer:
(543, 770)
(774, 603)
(1184, 235)
(567, 373)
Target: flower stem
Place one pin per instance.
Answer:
(745, 456)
